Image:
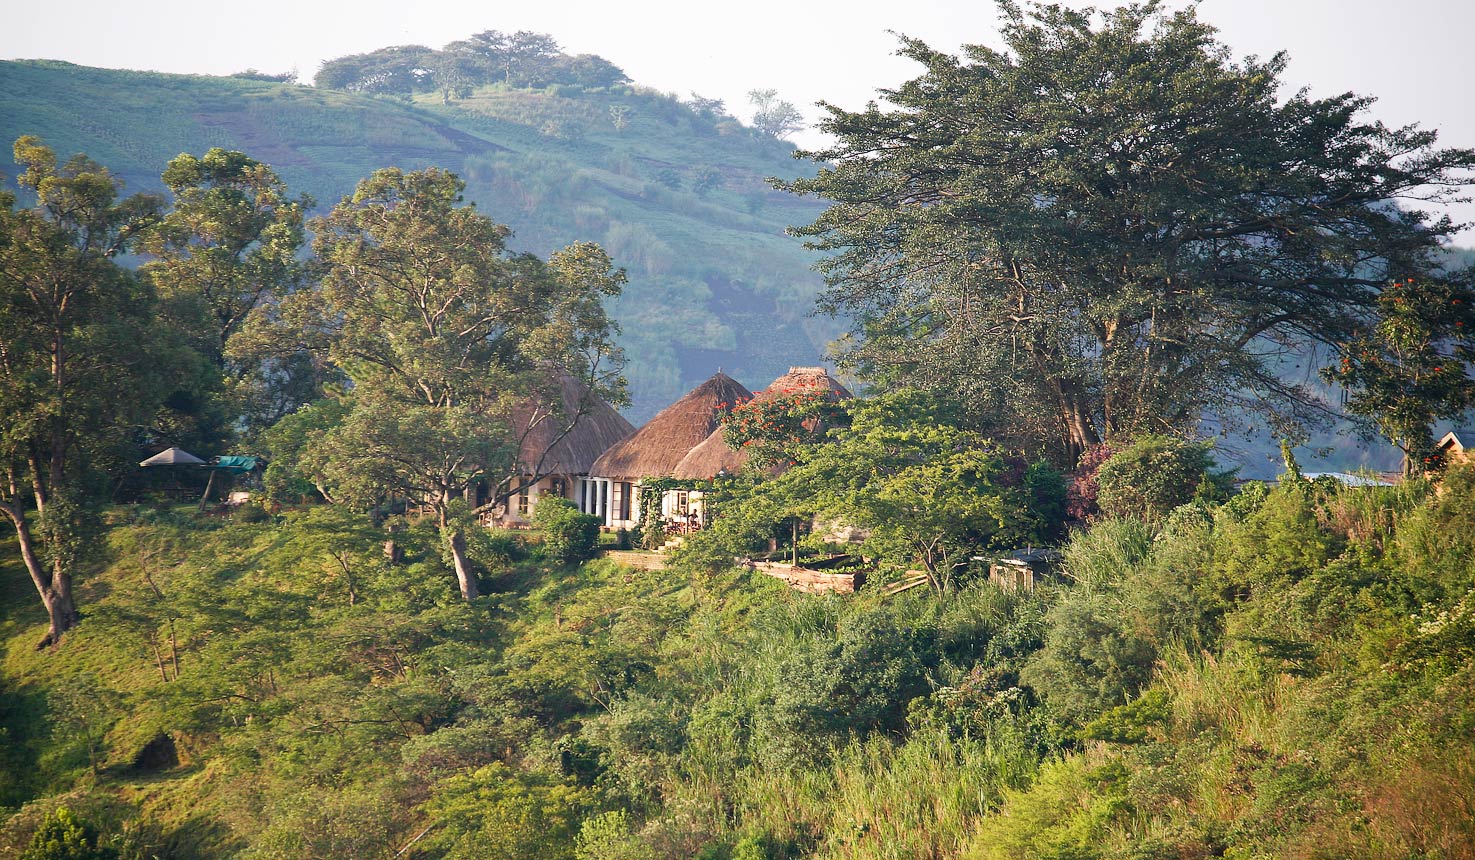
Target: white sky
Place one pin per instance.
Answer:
(1414, 55)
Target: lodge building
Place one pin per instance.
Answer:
(602, 462)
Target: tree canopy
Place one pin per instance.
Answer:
(442, 334)
(520, 59)
(1113, 226)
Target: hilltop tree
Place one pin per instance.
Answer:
(442, 333)
(1410, 365)
(514, 58)
(774, 116)
(1109, 229)
(455, 70)
(78, 371)
(399, 70)
(587, 70)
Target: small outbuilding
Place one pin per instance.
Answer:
(1022, 569)
(1452, 447)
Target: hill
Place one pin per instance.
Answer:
(677, 196)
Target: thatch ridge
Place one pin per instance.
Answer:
(655, 449)
(595, 431)
(713, 455)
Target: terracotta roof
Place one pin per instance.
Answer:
(655, 449)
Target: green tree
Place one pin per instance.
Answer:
(1078, 232)
(1152, 476)
(569, 537)
(78, 375)
(927, 491)
(443, 334)
(230, 244)
(772, 115)
(399, 70)
(456, 69)
(587, 70)
(1410, 365)
(230, 241)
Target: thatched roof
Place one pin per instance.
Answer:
(803, 379)
(656, 448)
(596, 427)
(714, 455)
(709, 458)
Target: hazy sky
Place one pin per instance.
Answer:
(1417, 60)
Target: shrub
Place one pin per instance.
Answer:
(63, 837)
(569, 537)
(1152, 476)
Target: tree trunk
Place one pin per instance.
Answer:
(464, 576)
(1080, 434)
(55, 589)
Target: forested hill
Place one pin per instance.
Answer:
(675, 194)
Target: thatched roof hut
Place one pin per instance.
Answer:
(803, 379)
(597, 428)
(714, 455)
(656, 448)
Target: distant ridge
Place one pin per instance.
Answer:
(677, 196)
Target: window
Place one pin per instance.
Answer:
(522, 498)
(556, 488)
(626, 495)
(682, 501)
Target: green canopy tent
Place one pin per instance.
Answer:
(232, 465)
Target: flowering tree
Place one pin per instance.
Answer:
(773, 426)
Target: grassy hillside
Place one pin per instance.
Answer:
(1284, 675)
(677, 197)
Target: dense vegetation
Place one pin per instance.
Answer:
(352, 665)
(1281, 675)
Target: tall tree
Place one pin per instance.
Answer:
(528, 57)
(1112, 225)
(443, 333)
(76, 375)
(456, 69)
(230, 243)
